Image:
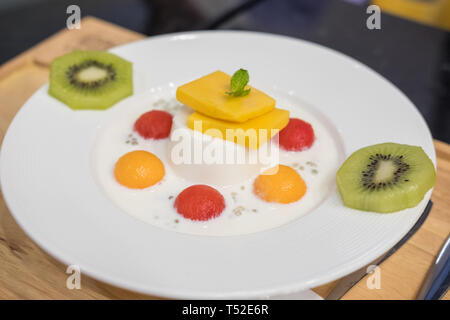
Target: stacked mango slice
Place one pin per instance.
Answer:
(253, 118)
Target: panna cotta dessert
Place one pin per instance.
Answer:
(156, 163)
(202, 158)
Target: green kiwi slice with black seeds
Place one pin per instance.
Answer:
(90, 79)
(385, 178)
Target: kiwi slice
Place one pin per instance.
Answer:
(385, 177)
(90, 79)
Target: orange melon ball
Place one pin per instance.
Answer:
(284, 185)
(138, 169)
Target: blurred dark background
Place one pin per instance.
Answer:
(412, 48)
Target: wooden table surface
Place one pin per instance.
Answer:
(27, 272)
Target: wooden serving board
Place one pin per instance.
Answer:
(27, 272)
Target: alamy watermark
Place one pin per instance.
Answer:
(74, 280)
(374, 277)
(373, 22)
(74, 19)
(236, 146)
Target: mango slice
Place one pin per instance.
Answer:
(251, 134)
(207, 95)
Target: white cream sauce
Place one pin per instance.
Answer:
(244, 213)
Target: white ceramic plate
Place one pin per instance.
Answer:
(47, 181)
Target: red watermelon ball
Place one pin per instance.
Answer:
(200, 202)
(154, 124)
(298, 135)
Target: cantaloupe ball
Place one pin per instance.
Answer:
(284, 186)
(138, 169)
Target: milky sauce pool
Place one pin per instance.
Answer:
(244, 213)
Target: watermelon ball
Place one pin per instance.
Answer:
(199, 202)
(154, 124)
(298, 135)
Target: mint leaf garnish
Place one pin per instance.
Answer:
(238, 82)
